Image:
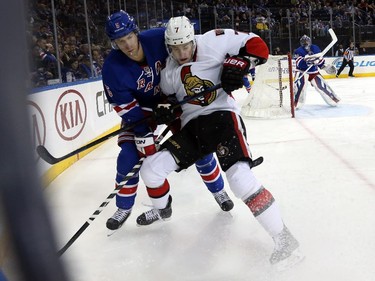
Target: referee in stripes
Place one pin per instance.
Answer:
(348, 59)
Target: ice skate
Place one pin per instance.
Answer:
(222, 198)
(286, 252)
(154, 215)
(117, 220)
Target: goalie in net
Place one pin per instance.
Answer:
(271, 95)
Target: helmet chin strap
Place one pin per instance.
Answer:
(114, 45)
(194, 49)
(256, 61)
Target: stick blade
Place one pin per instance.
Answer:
(45, 155)
(333, 35)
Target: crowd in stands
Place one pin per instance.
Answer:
(76, 56)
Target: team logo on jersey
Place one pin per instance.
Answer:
(194, 85)
(146, 80)
(141, 83)
(158, 67)
(221, 151)
(147, 71)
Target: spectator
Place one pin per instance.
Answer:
(277, 51)
(43, 29)
(39, 77)
(340, 51)
(337, 22)
(65, 55)
(74, 49)
(74, 69)
(39, 74)
(43, 57)
(49, 38)
(244, 19)
(98, 60)
(261, 23)
(86, 69)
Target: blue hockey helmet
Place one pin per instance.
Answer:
(119, 25)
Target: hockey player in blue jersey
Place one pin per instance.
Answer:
(307, 60)
(131, 76)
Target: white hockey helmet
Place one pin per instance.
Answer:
(305, 42)
(179, 31)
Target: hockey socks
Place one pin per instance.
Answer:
(210, 173)
(265, 210)
(126, 195)
(159, 195)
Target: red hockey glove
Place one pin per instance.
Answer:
(234, 69)
(145, 144)
(164, 113)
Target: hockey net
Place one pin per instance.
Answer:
(271, 94)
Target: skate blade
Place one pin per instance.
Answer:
(111, 232)
(155, 222)
(295, 258)
(228, 213)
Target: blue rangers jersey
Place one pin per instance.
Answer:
(131, 87)
(302, 65)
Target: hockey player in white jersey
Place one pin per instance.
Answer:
(212, 124)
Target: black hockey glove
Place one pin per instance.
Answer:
(234, 69)
(164, 113)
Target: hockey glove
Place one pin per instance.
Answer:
(164, 113)
(329, 68)
(145, 144)
(248, 88)
(234, 69)
(311, 59)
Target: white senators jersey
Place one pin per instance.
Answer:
(204, 72)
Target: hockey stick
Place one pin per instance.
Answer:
(282, 88)
(47, 156)
(321, 54)
(134, 171)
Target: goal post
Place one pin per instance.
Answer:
(271, 94)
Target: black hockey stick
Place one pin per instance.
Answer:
(282, 88)
(100, 209)
(134, 171)
(47, 156)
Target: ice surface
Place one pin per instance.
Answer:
(319, 167)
